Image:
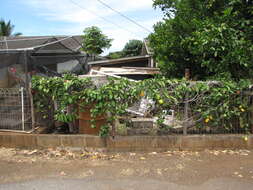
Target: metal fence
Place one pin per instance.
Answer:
(15, 109)
(184, 120)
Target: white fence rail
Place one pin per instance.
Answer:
(15, 109)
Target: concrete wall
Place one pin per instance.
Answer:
(128, 143)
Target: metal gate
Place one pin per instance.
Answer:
(15, 109)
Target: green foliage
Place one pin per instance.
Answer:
(210, 38)
(132, 48)
(218, 104)
(63, 90)
(104, 131)
(94, 41)
(115, 55)
(222, 50)
(6, 29)
(112, 98)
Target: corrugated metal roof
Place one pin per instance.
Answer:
(44, 43)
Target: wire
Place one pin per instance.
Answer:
(126, 17)
(103, 18)
(50, 43)
(30, 39)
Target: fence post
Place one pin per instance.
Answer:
(71, 125)
(26, 69)
(186, 104)
(250, 118)
(32, 106)
(186, 107)
(23, 110)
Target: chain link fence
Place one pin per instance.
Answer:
(186, 116)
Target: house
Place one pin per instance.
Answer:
(136, 67)
(48, 55)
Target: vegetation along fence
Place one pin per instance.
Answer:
(177, 106)
(197, 115)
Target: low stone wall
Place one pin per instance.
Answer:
(127, 143)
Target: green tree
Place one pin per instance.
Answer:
(132, 48)
(6, 29)
(94, 41)
(115, 55)
(212, 38)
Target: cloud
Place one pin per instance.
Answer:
(84, 13)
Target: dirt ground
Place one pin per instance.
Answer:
(180, 168)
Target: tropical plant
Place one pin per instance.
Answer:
(216, 105)
(211, 38)
(6, 29)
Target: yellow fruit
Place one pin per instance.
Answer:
(158, 97)
(242, 110)
(207, 120)
(161, 101)
(245, 138)
(142, 94)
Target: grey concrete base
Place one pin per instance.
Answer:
(127, 143)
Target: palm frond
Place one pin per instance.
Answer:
(6, 29)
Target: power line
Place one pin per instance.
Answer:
(50, 43)
(29, 39)
(126, 17)
(103, 18)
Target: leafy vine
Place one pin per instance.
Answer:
(213, 103)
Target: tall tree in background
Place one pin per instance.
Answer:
(132, 48)
(94, 41)
(6, 29)
(211, 38)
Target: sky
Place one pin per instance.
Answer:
(71, 17)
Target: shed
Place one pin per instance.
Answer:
(43, 54)
(136, 67)
(136, 61)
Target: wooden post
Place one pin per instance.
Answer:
(187, 74)
(186, 107)
(32, 106)
(251, 114)
(26, 70)
(114, 129)
(251, 122)
(71, 124)
(113, 125)
(186, 104)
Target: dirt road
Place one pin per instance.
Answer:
(60, 169)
